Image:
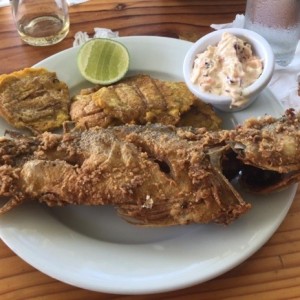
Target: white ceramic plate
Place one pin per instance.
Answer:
(92, 248)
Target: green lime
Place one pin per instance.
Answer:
(103, 61)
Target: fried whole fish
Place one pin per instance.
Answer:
(154, 175)
(140, 100)
(34, 98)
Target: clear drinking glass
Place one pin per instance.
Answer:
(278, 21)
(41, 22)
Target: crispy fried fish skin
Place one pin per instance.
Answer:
(270, 151)
(141, 99)
(269, 143)
(34, 98)
(154, 175)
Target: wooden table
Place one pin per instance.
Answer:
(273, 272)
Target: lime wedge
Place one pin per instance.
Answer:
(103, 61)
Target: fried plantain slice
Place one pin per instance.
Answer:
(141, 99)
(200, 114)
(34, 98)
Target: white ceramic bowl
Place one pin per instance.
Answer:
(260, 48)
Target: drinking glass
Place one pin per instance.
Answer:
(41, 22)
(278, 21)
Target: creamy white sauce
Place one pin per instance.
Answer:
(226, 69)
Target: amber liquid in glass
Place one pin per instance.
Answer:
(43, 30)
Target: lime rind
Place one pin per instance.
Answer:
(103, 61)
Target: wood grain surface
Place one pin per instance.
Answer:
(273, 272)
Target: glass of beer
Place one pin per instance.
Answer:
(41, 22)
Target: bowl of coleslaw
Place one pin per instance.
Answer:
(228, 68)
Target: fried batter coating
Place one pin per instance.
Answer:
(154, 175)
(34, 98)
(140, 100)
(269, 143)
